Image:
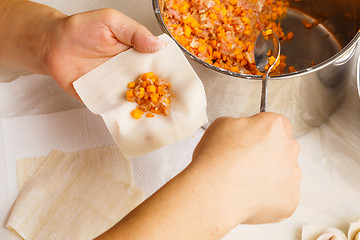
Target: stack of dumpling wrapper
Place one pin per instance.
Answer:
(73, 195)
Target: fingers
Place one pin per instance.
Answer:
(132, 33)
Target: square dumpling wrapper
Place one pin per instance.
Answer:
(103, 90)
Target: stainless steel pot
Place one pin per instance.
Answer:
(310, 95)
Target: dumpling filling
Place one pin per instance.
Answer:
(151, 93)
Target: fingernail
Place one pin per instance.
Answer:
(158, 44)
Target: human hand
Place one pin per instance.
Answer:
(81, 42)
(251, 164)
(243, 171)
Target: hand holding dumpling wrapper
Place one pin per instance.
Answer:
(103, 90)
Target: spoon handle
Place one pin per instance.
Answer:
(264, 93)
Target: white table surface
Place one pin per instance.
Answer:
(329, 158)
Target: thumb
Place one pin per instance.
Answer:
(132, 33)
(143, 41)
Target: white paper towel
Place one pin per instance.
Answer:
(34, 94)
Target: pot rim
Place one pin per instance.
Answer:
(309, 70)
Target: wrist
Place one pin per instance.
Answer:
(43, 36)
(226, 208)
(25, 33)
(228, 190)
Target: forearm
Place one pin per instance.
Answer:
(24, 31)
(186, 208)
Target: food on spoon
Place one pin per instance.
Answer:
(151, 93)
(223, 32)
(271, 61)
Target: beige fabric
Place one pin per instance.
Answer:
(103, 91)
(71, 196)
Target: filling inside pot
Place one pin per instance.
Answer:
(223, 32)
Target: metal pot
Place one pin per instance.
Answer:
(310, 95)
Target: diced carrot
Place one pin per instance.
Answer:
(151, 89)
(184, 7)
(217, 54)
(136, 113)
(243, 62)
(234, 69)
(247, 32)
(233, 2)
(147, 75)
(213, 44)
(202, 48)
(131, 85)
(141, 93)
(245, 20)
(188, 20)
(269, 53)
(130, 93)
(239, 57)
(217, 8)
(144, 84)
(149, 115)
(271, 60)
(187, 30)
(315, 23)
(291, 69)
(290, 35)
(268, 32)
(154, 97)
(175, 6)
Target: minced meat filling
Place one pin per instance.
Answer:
(151, 93)
(223, 32)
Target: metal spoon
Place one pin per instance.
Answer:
(265, 41)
